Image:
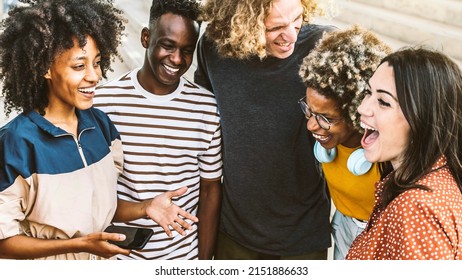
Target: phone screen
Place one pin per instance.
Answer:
(136, 238)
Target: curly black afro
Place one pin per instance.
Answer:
(186, 8)
(36, 31)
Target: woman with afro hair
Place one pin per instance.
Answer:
(59, 158)
(336, 73)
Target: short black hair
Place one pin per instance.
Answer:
(36, 31)
(186, 8)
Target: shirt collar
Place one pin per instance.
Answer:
(84, 122)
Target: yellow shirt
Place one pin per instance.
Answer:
(352, 195)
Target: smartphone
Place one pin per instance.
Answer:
(136, 238)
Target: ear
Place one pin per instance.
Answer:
(145, 34)
(47, 75)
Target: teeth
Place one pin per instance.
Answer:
(320, 138)
(171, 69)
(87, 90)
(284, 44)
(365, 126)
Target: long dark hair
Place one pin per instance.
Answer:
(429, 90)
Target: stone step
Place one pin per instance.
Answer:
(130, 49)
(406, 28)
(392, 42)
(137, 14)
(443, 11)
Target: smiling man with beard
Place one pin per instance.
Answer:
(275, 205)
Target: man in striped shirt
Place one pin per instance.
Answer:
(170, 130)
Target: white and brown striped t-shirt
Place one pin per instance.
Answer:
(169, 141)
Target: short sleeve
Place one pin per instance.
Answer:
(210, 163)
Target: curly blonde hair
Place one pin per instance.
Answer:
(237, 26)
(341, 65)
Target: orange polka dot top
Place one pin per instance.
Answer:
(417, 224)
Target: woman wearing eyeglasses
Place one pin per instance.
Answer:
(336, 74)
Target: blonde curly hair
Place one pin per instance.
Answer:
(237, 26)
(341, 65)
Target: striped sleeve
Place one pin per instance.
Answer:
(210, 163)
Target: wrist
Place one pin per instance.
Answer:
(144, 208)
(75, 245)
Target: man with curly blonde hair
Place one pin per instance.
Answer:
(275, 204)
(336, 74)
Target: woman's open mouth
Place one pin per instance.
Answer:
(370, 135)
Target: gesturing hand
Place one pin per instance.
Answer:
(165, 213)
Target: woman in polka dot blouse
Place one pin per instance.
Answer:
(412, 114)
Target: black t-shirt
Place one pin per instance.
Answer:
(275, 200)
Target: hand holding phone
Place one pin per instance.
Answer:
(136, 238)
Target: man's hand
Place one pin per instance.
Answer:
(165, 213)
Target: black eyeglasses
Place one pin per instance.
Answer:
(323, 122)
